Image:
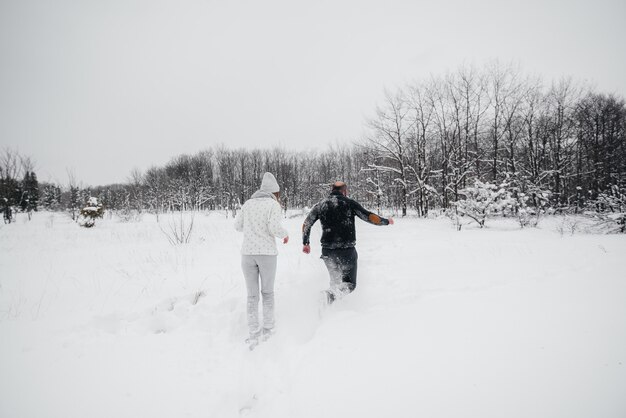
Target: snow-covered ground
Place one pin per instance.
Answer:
(115, 322)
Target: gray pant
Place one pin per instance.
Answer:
(264, 266)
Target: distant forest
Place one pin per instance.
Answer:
(425, 145)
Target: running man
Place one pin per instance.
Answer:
(336, 214)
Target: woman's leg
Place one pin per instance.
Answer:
(251, 274)
(267, 269)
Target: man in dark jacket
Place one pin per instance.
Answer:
(336, 214)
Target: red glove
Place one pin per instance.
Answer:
(306, 249)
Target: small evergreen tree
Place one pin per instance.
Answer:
(90, 213)
(73, 201)
(29, 198)
(50, 197)
(33, 191)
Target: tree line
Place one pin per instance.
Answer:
(18, 182)
(425, 146)
(441, 135)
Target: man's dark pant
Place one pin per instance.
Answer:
(342, 266)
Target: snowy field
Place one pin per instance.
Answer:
(115, 322)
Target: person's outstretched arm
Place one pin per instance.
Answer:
(368, 216)
(312, 217)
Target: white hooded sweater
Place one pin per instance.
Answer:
(260, 221)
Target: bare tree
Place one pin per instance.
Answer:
(389, 139)
(561, 102)
(422, 114)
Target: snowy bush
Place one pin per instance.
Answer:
(129, 215)
(614, 201)
(88, 215)
(178, 227)
(484, 199)
(456, 219)
(568, 224)
(531, 205)
(530, 201)
(609, 211)
(609, 223)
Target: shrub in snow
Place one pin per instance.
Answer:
(88, 215)
(614, 201)
(484, 199)
(130, 215)
(527, 217)
(609, 211)
(179, 227)
(531, 205)
(530, 201)
(568, 224)
(456, 219)
(609, 223)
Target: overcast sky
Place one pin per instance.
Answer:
(103, 86)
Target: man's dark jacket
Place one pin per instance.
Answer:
(336, 214)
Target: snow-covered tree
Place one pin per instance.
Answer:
(484, 199)
(531, 201)
(610, 210)
(389, 140)
(90, 213)
(50, 196)
(375, 186)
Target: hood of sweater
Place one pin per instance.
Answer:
(260, 194)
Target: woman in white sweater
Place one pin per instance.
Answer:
(260, 221)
